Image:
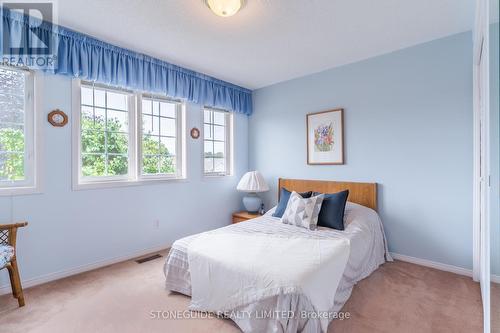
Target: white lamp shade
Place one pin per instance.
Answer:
(252, 181)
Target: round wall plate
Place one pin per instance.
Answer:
(57, 118)
(195, 133)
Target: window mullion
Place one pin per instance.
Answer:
(26, 152)
(158, 166)
(106, 134)
(132, 107)
(214, 156)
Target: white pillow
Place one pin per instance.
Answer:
(302, 212)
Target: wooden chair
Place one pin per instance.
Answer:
(8, 233)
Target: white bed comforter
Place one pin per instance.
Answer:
(368, 250)
(230, 270)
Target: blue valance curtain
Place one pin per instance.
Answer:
(90, 59)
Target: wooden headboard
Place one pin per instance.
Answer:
(361, 193)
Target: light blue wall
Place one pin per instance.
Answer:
(68, 229)
(494, 150)
(408, 127)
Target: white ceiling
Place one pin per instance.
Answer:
(268, 41)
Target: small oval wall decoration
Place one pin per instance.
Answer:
(195, 133)
(57, 118)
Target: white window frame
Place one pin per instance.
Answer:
(134, 176)
(228, 143)
(180, 141)
(32, 140)
(131, 156)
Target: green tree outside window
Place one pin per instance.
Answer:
(95, 136)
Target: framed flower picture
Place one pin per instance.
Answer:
(325, 137)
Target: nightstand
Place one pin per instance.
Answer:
(243, 216)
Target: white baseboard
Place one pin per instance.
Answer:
(106, 262)
(440, 266)
(495, 278)
(6, 289)
(433, 264)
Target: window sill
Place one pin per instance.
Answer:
(125, 183)
(215, 175)
(21, 190)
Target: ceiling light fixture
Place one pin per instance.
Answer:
(224, 8)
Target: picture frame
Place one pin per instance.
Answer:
(195, 133)
(57, 118)
(325, 137)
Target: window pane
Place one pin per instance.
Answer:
(11, 138)
(219, 149)
(93, 118)
(146, 106)
(207, 116)
(147, 124)
(11, 166)
(156, 126)
(219, 133)
(219, 165)
(150, 164)
(167, 164)
(167, 126)
(93, 142)
(117, 165)
(87, 96)
(12, 131)
(156, 108)
(117, 143)
(220, 118)
(117, 121)
(117, 101)
(209, 165)
(11, 115)
(87, 114)
(13, 87)
(167, 146)
(93, 165)
(167, 109)
(150, 145)
(209, 148)
(100, 98)
(208, 131)
(12, 126)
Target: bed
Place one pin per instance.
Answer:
(278, 312)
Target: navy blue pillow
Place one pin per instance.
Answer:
(332, 210)
(284, 196)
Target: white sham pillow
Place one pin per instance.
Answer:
(302, 212)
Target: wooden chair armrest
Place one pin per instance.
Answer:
(13, 225)
(10, 231)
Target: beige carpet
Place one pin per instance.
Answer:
(398, 297)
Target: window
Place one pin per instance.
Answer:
(104, 125)
(125, 137)
(17, 132)
(161, 122)
(217, 145)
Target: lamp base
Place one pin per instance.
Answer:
(252, 203)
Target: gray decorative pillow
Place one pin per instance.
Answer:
(302, 212)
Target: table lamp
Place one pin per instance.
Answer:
(252, 183)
